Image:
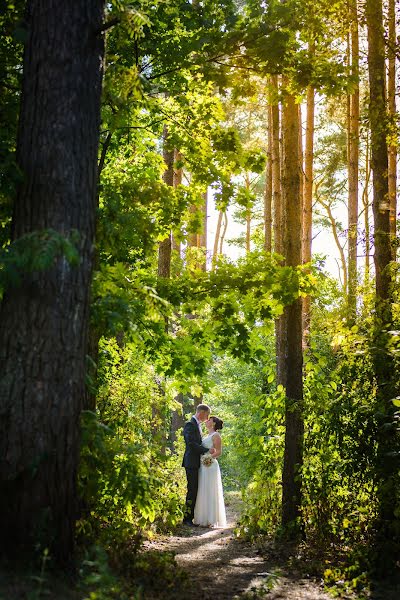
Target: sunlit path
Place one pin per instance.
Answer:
(221, 566)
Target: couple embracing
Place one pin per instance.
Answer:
(204, 500)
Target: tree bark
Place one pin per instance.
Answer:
(388, 444)
(276, 168)
(291, 326)
(43, 322)
(248, 215)
(217, 237)
(203, 234)
(307, 203)
(353, 159)
(365, 201)
(177, 180)
(165, 247)
(392, 159)
(268, 189)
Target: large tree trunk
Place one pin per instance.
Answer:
(43, 322)
(388, 446)
(291, 327)
(353, 157)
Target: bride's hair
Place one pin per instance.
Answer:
(218, 423)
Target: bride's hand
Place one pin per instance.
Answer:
(212, 451)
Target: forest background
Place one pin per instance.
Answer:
(116, 320)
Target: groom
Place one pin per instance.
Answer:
(191, 458)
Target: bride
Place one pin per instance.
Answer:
(210, 507)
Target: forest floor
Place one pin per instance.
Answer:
(195, 563)
(222, 567)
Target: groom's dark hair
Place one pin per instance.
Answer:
(201, 407)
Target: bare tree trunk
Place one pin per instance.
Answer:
(268, 189)
(388, 443)
(217, 237)
(221, 243)
(203, 234)
(276, 168)
(165, 247)
(392, 161)
(307, 203)
(248, 216)
(365, 200)
(353, 159)
(43, 322)
(177, 180)
(291, 330)
(331, 218)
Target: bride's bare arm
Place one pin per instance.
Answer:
(217, 445)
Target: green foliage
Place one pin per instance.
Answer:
(130, 480)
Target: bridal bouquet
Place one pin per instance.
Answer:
(207, 460)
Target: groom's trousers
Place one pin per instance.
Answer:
(192, 476)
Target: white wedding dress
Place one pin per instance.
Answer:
(210, 506)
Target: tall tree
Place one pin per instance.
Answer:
(268, 188)
(291, 358)
(308, 199)
(276, 165)
(353, 159)
(165, 246)
(392, 166)
(388, 444)
(43, 322)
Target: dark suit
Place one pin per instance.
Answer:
(191, 462)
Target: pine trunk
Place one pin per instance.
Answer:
(392, 159)
(388, 446)
(43, 322)
(353, 159)
(276, 168)
(291, 327)
(268, 189)
(307, 202)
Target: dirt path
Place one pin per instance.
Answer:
(223, 568)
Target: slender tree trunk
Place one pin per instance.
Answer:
(203, 234)
(217, 237)
(388, 446)
(392, 160)
(276, 168)
(291, 330)
(307, 203)
(43, 322)
(332, 221)
(221, 241)
(165, 247)
(365, 200)
(248, 216)
(177, 180)
(268, 189)
(353, 159)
